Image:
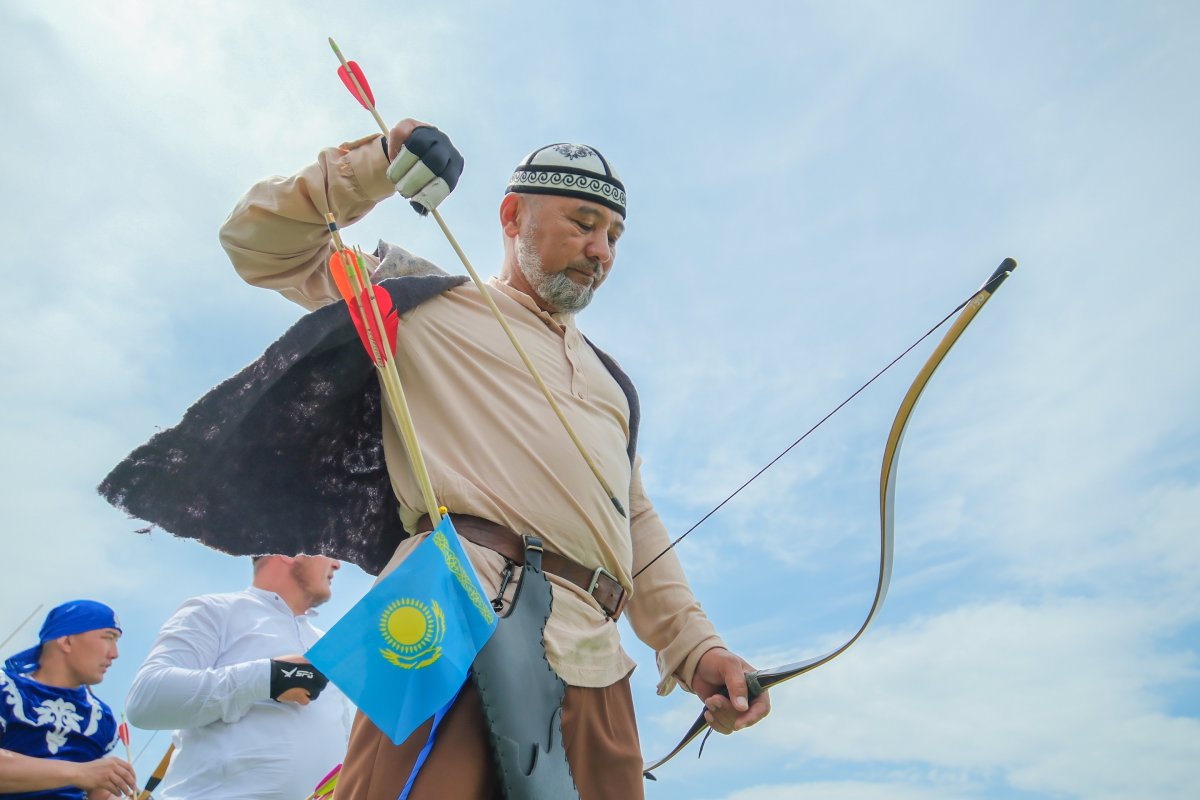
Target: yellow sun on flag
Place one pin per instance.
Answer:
(413, 632)
(406, 626)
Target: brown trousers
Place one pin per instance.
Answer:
(599, 733)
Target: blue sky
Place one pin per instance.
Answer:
(811, 187)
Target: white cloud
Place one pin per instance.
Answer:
(811, 187)
(1043, 696)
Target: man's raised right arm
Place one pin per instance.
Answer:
(276, 236)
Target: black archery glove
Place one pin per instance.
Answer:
(427, 168)
(288, 675)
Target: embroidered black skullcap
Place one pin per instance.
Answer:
(570, 170)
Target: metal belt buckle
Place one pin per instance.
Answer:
(615, 612)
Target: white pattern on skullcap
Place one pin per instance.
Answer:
(570, 170)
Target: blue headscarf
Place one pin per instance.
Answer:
(76, 616)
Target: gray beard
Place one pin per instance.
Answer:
(557, 291)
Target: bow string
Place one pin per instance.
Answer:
(759, 681)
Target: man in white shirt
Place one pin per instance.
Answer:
(254, 719)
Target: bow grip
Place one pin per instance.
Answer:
(753, 687)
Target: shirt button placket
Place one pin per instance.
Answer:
(578, 380)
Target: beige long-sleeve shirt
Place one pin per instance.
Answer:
(492, 445)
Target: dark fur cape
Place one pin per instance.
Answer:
(287, 455)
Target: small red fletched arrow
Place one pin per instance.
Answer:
(337, 267)
(348, 78)
(123, 733)
(391, 321)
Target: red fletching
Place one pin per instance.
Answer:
(391, 321)
(348, 78)
(337, 268)
(123, 733)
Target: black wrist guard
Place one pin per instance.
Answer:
(286, 675)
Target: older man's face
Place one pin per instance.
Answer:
(565, 249)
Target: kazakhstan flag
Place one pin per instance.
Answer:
(404, 650)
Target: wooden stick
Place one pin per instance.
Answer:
(512, 337)
(420, 468)
(128, 753)
(390, 378)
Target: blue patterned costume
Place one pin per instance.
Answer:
(51, 722)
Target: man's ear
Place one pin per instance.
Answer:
(510, 210)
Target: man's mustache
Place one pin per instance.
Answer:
(587, 266)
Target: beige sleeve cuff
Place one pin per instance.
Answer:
(662, 609)
(681, 674)
(364, 163)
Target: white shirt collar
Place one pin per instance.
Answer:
(278, 602)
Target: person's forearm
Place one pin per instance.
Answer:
(20, 773)
(163, 697)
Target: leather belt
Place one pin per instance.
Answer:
(601, 584)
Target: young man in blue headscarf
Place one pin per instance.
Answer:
(55, 734)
